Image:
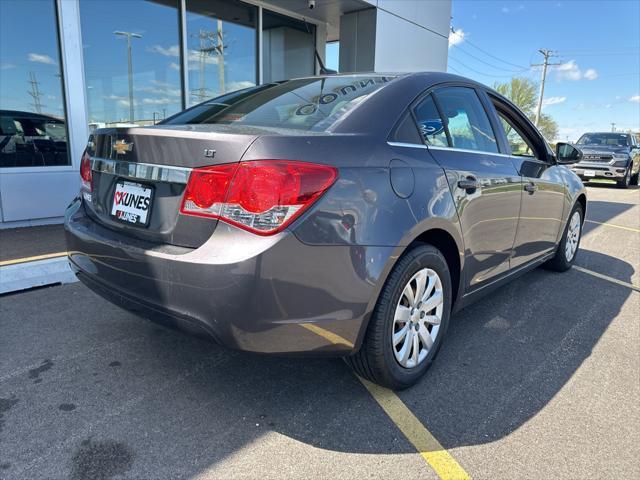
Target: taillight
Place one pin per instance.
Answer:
(262, 196)
(85, 172)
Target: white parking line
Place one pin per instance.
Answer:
(607, 278)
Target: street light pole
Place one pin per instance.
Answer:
(129, 35)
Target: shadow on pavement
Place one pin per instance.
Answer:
(174, 404)
(505, 358)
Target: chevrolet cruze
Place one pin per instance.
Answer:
(344, 215)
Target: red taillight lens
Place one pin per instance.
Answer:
(85, 172)
(261, 196)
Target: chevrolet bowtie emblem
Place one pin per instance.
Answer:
(122, 146)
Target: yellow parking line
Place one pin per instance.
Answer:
(607, 278)
(32, 259)
(327, 335)
(429, 448)
(427, 445)
(613, 225)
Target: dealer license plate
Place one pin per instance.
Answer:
(132, 203)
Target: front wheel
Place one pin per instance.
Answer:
(409, 321)
(568, 247)
(626, 180)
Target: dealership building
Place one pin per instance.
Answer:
(68, 67)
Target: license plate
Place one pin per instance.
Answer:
(132, 203)
(589, 173)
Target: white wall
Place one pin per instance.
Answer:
(400, 36)
(403, 47)
(432, 14)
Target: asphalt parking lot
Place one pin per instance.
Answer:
(539, 380)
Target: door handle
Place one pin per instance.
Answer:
(469, 184)
(531, 188)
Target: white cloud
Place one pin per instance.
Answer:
(635, 98)
(157, 101)
(194, 56)
(231, 86)
(172, 51)
(571, 71)
(38, 58)
(6, 66)
(507, 10)
(456, 37)
(553, 101)
(161, 89)
(121, 101)
(590, 74)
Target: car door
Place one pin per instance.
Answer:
(543, 193)
(484, 182)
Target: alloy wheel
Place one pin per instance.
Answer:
(417, 318)
(573, 237)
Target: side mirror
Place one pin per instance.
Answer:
(567, 153)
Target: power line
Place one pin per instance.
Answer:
(489, 54)
(520, 70)
(478, 71)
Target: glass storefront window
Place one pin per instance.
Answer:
(288, 49)
(222, 47)
(32, 107)
(131, 52)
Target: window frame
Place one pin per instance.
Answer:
(523, 126)
(485, 104)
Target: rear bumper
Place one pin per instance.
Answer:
(261, 294)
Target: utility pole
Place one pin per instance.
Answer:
(547, 54)
(613, 127)
(35, 92)
(129, 35)
(211, 45)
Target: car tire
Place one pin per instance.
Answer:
(626, 180)
(378, 358)
(634, 179)
(562, 261)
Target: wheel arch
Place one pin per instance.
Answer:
(444, 241)
(449, 244)
(582, 200)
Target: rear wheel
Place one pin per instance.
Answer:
(409, 321)
(568, 247)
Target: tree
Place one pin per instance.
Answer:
(524, 93)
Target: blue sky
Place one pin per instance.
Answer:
(597, 43)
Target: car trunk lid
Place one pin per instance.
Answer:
(138, 165)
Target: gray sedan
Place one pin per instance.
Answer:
(345, 215)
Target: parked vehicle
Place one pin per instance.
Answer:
(610, 155)
(32, 140)
(340, 215)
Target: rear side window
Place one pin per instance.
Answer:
(406, 131)
(430, 123)
(311, 104)
(466, 120)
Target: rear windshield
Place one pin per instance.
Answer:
(614, 139)
(311, 104)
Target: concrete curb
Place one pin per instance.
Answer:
(22, 276)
